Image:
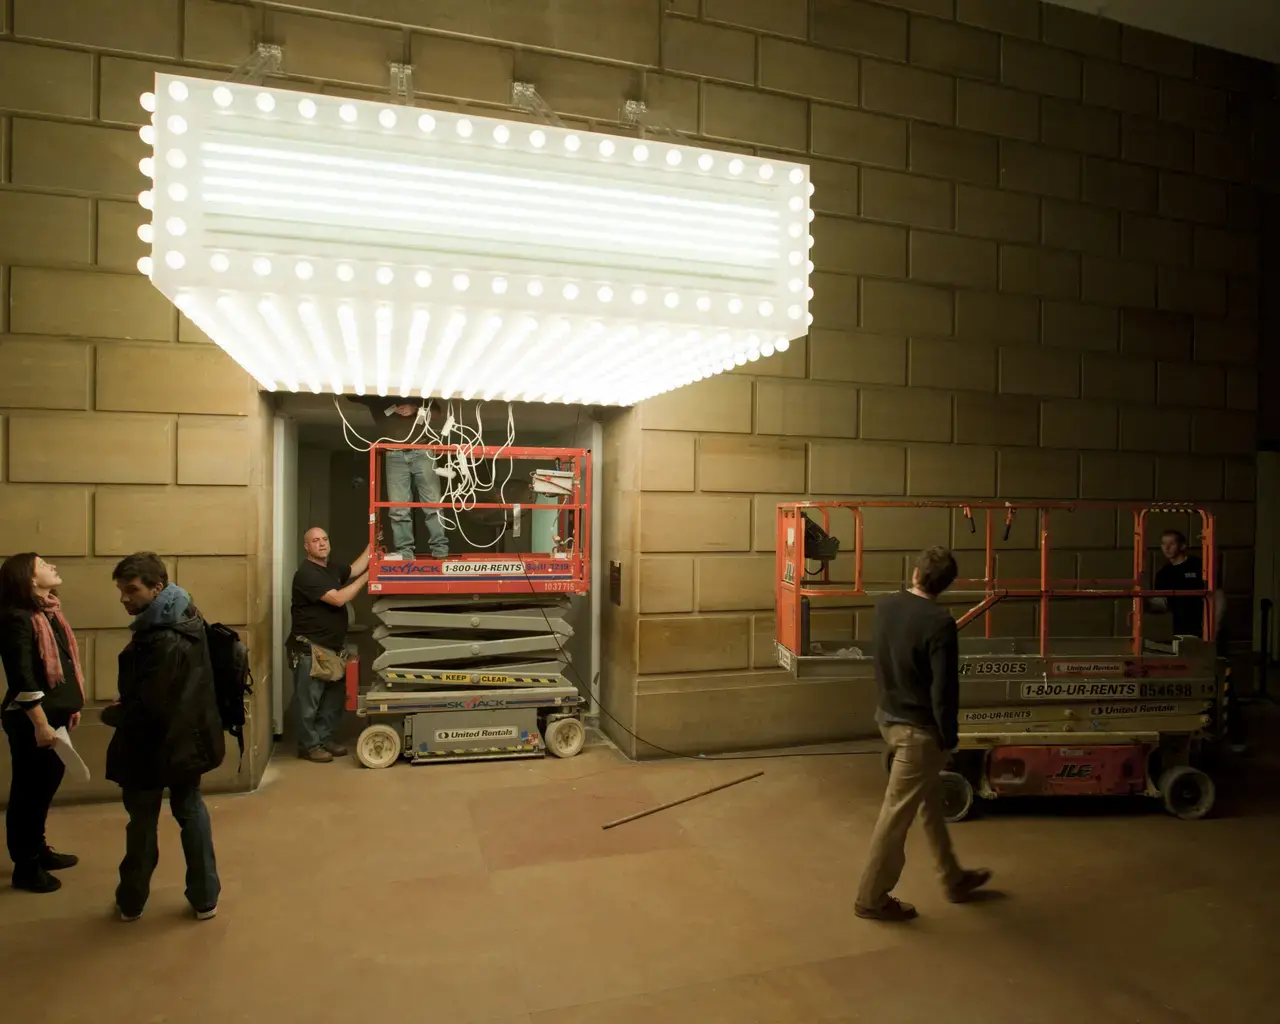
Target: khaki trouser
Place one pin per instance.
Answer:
(913, 785)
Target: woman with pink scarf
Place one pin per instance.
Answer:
(45, 692)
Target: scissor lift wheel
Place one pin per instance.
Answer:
(1187, 792)
(379, 746)
(957, 796)
(565, 736)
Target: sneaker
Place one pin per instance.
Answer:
(969, 883)
(317, 754)
(890, 910)
(205, 915)
(52, 860)
(336, 749)
(128, 918)
(35, 879)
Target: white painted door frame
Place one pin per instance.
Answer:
(284, 556)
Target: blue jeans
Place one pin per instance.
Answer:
(142, 852)
(319, 705)
(410, 470)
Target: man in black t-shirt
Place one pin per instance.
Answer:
(321, 592)
(1183, 571)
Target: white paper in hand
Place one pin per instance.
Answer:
(74, 762)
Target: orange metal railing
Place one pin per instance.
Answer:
(790, 588)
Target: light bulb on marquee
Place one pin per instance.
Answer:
(375, 246)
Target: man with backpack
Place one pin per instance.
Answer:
(168, 733)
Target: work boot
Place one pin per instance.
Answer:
(890, 910)
(52, 860)
(969, 883)
(34, 878)
(336, 749)
(317, 754)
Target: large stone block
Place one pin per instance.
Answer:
(77, 157)
(811, 71)
(215, 450)
(720, 403)
(133, 26)
(172, 378)
(908, 92)
(173, 520)
(709, 51)
(50, 520)
(458, 67)
(853, 135)
(87, 304)
(805, 409)
(856, 467)
(667, 461)
(997, 110)
(908, 414)
(727, 463)
(677, 522)
(856, 357)
(693, 644)
(45, 80)
(36, 373)
(73, 447)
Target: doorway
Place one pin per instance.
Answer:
(322, 480)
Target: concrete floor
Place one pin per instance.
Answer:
(488, 892)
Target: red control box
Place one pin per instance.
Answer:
(352, 684)
(1118, 770)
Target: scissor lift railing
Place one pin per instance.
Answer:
(562, 572)
(793, 587)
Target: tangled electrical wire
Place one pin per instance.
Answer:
(461, 473)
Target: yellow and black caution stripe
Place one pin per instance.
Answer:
(471, 678)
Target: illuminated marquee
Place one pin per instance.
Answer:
(347, 246)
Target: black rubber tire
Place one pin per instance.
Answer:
(1187, 793)
(957, 796)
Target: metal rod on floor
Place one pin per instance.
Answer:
(682, 800)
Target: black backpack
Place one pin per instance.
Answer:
(232, 680)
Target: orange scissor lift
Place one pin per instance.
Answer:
(474, 664)
(1039, 715)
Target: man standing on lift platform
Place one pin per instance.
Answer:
(408, 470)
(917, 654)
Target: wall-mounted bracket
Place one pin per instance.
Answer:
(525, 96)
(266, 59)
(402, 83)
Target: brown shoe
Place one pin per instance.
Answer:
(970, 882)
(336, 749)
(890, 910)
(317, 754)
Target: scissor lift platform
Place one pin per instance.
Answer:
(473, 663)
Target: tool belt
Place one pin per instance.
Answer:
(326, 665)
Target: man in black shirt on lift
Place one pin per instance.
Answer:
(321, 592)
(917, 654)
(1184, 571)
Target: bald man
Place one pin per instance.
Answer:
(321, 592)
